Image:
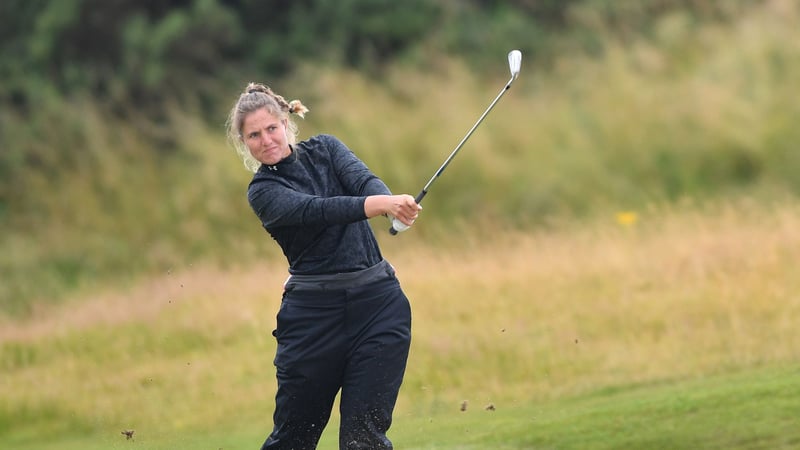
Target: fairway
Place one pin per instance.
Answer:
(756, 409)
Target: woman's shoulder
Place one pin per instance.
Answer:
(320, 141)
(323, 146)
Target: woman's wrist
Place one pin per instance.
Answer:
(375, 205)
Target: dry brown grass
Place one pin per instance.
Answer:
(503, 318)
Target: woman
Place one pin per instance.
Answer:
(344, 322)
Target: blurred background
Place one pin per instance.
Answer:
(113, 161)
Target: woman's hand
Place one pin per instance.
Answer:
(402, 207)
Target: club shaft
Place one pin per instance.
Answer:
(444, 165)
(447, 161)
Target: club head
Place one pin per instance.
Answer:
(514, 62)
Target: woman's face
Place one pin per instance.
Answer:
(265, 137)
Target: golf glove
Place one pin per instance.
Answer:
(399, 226)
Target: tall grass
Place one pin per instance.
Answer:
(692, 110)
(503, 318)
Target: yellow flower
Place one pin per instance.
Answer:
(627, 218)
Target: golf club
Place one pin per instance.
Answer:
(514, 62)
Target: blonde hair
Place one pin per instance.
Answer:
(257, 96)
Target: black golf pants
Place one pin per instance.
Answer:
(354, 339)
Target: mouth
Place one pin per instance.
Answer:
(271, 154)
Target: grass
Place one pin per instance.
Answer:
(654, 327)
(696, 413)
(667, 329)
(754, 409)
(692, 108)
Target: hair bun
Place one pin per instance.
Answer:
(297, 107)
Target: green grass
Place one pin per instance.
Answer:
(752, 409)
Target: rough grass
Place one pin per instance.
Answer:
(614, 314)
(691, 108)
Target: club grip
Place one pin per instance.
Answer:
(397, 227)
(392, 230)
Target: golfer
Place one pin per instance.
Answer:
(344, 323)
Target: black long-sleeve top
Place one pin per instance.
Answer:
(312, 204)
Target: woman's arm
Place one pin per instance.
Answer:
(279, 206)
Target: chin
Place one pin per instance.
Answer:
(269, 161)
